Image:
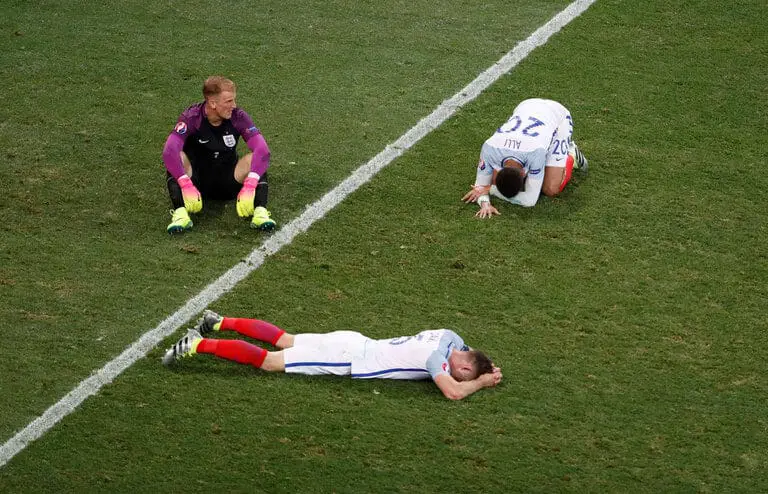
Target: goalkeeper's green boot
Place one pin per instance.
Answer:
(209, 322)
(261, 219)
(180, 221)
(185, 347)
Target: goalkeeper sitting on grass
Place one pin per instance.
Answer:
(439, 354)
(201, 160)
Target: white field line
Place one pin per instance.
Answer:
(285, 235)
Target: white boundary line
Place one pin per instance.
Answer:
(285, 235)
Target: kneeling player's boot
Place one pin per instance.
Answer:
(209, 322)
(261, 219)
(180, 221)
(579, 160)
(185, 347)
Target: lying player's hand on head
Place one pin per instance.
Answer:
(490, 379)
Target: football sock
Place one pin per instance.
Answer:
(253, 328)
(568, 173)
(238, 351)
(262, 192)
(174, 191)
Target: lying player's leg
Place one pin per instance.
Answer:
(238, 351)
(252, 328)
(309, 353)
(243, 352)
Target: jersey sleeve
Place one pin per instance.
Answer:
(484, 174)
(173, 146)
(186, 125)
(243, 123)
(254, 140)
(437, 364)
(261, 154)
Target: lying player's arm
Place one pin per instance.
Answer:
(457, 390)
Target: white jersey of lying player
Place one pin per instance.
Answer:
(420, 356)
(537, 135)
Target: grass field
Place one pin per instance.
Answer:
(628, 315)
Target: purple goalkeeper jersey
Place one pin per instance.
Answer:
(213, 145)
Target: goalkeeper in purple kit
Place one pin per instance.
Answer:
(201, 160)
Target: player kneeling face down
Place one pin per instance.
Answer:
(531, 154)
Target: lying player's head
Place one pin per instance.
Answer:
(219, 93)
(471, 365)
(509, 180)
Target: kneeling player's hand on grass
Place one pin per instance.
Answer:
(193, 201)
(476, 192)
(245, 197)
(487, 211)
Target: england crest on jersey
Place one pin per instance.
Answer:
(230, 140)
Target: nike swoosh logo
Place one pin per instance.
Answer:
(203, 142)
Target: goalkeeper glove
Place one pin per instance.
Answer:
(246, 195)
(192, 199)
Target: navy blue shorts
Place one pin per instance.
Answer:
(215, 180)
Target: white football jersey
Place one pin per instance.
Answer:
(421, 356)
(530, 128)
(527, 137)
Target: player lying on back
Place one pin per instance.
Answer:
(440, 355)
(531, 154)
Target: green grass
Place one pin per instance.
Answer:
(628, 315)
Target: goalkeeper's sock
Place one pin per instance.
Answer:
(568, 173)
(262, 192)
(238, 351)
(177, 199)
(253, 328)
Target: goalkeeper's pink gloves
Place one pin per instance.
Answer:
(246, 195)
(193, 202)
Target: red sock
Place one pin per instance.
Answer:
(236, 350)
(568, 172)
(253, 328)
